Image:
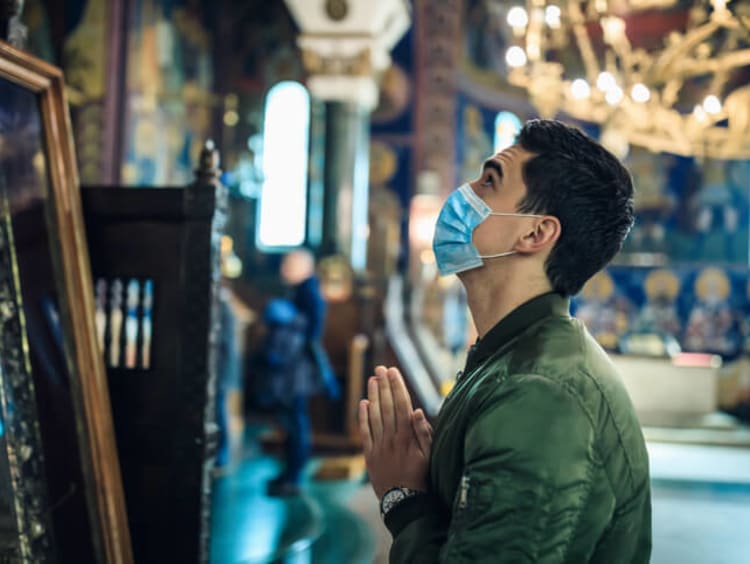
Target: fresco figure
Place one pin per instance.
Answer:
(711, 325)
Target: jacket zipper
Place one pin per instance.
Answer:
(463, 494)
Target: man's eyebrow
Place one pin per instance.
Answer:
(494, 165)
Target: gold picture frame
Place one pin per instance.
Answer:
(50, 363)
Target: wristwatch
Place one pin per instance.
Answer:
(393, 497)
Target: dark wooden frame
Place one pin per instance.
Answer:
(164, 413)
(104, 492)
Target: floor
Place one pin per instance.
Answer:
(701, 503)
(696, 524)
(325, 524)
(701, 513)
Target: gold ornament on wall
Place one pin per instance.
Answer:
(336, 278)
(337, 10)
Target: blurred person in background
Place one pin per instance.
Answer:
(304, 369)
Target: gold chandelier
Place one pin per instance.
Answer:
(687, 92)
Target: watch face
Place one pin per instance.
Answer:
(391, 498)
(394, 497)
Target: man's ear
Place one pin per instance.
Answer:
(544, 234)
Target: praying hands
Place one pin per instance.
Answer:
(397, 439)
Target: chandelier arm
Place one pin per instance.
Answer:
(534, 35)
(657, 143)
(670, 91)
(719, 80)
(672, 54)
(624, 52)
(688, 68)
(672, 125)
(590, 62)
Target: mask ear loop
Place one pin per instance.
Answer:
(498, 255)
(501, 214)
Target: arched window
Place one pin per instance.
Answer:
(282, 207)
(507, 126)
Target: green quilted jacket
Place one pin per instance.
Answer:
(537, 454)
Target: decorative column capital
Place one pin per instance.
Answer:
(346, 45)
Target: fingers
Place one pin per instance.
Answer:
(364, 425)
(401, 400)
(423, 432)
(373, 410)
(389, 407)
(387, 411)
(421, 417)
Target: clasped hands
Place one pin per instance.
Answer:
(397, 439)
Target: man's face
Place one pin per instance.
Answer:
(296, 267)
(502, 188)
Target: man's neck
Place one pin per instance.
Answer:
(492, 298)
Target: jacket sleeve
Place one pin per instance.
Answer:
(419, 530)
(528, 464)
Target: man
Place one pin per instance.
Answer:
(298, 273)
(308, 373)
(537, 455)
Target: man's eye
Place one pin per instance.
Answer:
(488, 180)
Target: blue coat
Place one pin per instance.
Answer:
(310, 304)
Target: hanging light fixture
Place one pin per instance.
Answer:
(687, 94)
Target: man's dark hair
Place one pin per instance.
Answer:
(575, 179)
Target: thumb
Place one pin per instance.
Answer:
(423, 431)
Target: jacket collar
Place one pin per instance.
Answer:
(515, 323)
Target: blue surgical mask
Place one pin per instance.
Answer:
(462, 212)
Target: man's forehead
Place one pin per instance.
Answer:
(512, 155)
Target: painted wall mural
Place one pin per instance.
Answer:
(392, 156)
(169, 92)
(700, 308)
(85, 54)
(690, 211)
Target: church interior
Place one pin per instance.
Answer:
(173, 154)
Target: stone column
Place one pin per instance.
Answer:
(438, 34)
(345, 46)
